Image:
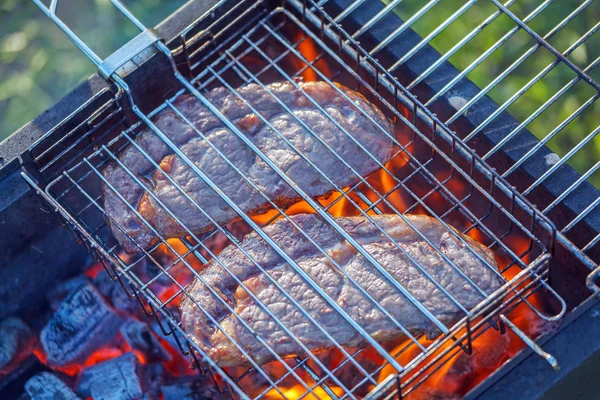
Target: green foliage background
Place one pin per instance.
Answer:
(514, 48)
(38, 65)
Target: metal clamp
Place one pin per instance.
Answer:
(131, 55)
(123, 60)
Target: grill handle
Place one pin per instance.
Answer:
(530, 343)
(123, 60)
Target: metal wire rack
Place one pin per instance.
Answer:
(250, 42)
(526, 54)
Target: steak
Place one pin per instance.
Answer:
(128, 227)
(337, 286)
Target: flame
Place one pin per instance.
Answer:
(298, 391)
(100, 355)
(388, 186)
(338, 204)
(172, 257)
(308, 48)
(476, 234)
(461, 372)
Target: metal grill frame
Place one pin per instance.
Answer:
(503, 136)
(122, 268)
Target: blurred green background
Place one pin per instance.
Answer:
(501, 59)
(38, 65)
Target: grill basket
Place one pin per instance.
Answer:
(436, 172)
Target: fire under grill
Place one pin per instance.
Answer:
(454, 163)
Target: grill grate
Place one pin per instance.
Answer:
(439, 176)
(524, 52)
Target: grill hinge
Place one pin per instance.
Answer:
(130, 56)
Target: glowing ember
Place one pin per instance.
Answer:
(299, 391)
(309, 50)
(151, 349)
(94, 270)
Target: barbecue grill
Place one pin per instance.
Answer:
(459, 156)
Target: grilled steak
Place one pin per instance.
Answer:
(345, 113)
(337, 286)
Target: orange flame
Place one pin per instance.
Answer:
(462, 372)
(100, 355)
(308, 48)
(298, 391)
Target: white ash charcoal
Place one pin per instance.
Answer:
(139, 336)
(56, 295)
(47, 386)
(16, 343)
(114, 379)
(83, 323)
(114, 292)
(200, 387)
(13, 331)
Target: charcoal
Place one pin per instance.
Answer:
(113, 291)
(201, 387)
(115, 379)
(83, 323)
(152, 377)
(16, 343)
(140, 338)
(62, 290)
(47, 386)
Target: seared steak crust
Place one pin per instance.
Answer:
(335, 284)
(343, 112)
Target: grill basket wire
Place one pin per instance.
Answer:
(514, 35)
(440, 177)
